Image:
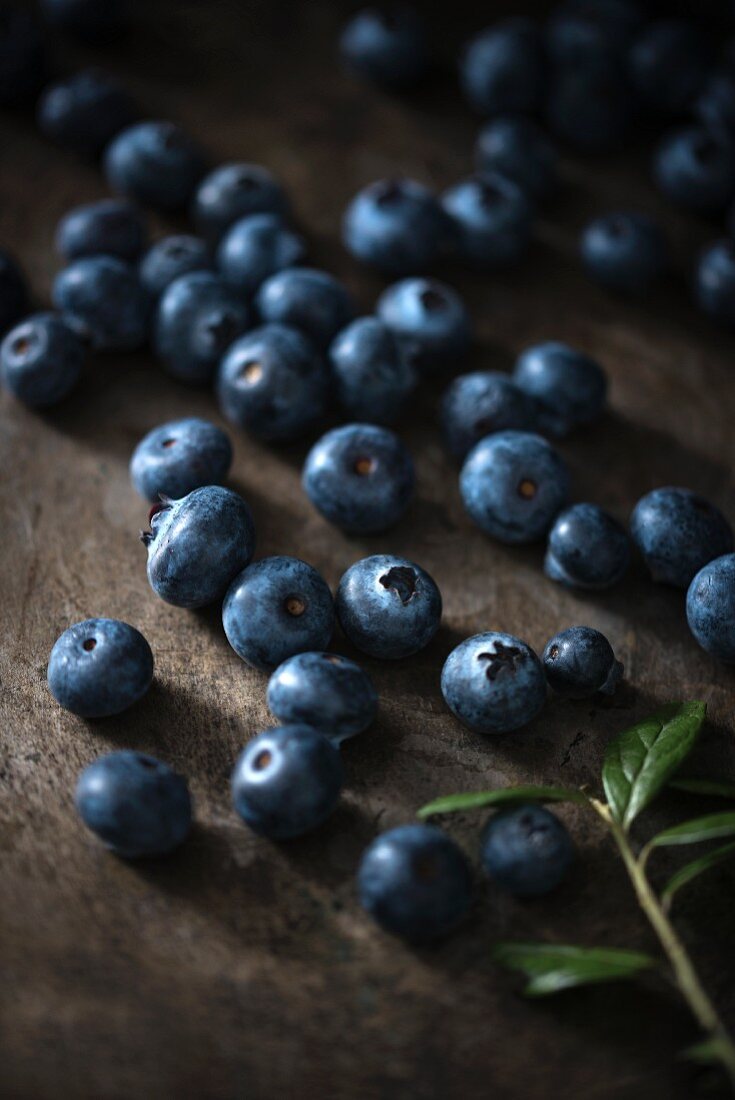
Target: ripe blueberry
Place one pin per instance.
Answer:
(155, 163)
(396, 225)
(494, 683)
(100, 667)
(677, 532)
(570, 387)
(430, 321)
(197, 319)
(323, 690)
(178, 457)
(373, 374)
(711, 608)
(587, 548)
(479, 404)
(102, 297)
(41, 360)
(527, 850)
(313, 301)
(579, 662)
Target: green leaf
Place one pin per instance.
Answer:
(707, 1053)
(552, 968)
(691, 870)
(705, 786)
(711, 827)
(476, 800)
(642, 759)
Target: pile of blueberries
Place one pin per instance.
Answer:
(233, 306)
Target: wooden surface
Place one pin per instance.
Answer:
(238, 968)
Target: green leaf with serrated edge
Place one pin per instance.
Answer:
(477, 800)
(551, 968)
(640, 761)
(710, 827)
(692, 870)
(705, 786)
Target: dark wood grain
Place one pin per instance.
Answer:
(238, 968)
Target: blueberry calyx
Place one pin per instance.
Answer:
(164, 503)
(402, 581)
(502, 657)
(388, 191)
(432, 300)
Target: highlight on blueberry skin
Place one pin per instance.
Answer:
(479, 404)
(516, 147)
(373, 376)
(197, 545)
(696, 170)
(387, 47)
(579, 662)
(415, 882)
(493, 683)
(178, 457)
(99, 667)
(678, 532)
(170, 258)
(102, 297)
(155, 163)
(323, 690)
(624, 251)
(256, 247)
(397, 226)
(234, 191)
(137, 805)
(430, 321)
(41, 360)
(313, 301)
(527, 850)
(711, 608)
(714, 282)
(287, 781)
(587, 548)
(492, 220)
(277, 607)
(113, 227)
(569, 387)
(85, 111)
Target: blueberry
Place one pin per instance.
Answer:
(516, 148)
(527, 850)
(310, 300)
(678, 532)
(415, 882)
(287, 781)
(41, 360)
(396, 225)
(360, 477)
(583, 31)
(103, 298)
(325, 691)
(180, 456)
(711, 608)
(274, 383)
(587, 548)
(503, 69)
(198, 317)
(232, 192)
(388, 607)
(22, 55)
(589, 106)
(668, 63)
(197, 545)
(169, 259)
(388, 47)
(430, 320)
(579, 662)
(111, 227)
(494, 683)
(256, 247)
(275, 608)
(492, 219)
(625, 252)
(85, 111)
(156, 164)
(373, 375)
(478, 404)
(513, 484)
(14, 299)
(696, 170)
(570, 387)
(100, 667)
(715, 105)
(90, 21)
(714, 282)
(135, 804)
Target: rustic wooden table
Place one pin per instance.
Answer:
(243, 968)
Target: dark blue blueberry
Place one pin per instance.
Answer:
(714, 282)
(310, 300)
(415, 882)
(478, 404)
(677, 532)
(624, 251)
(14, 299)
(91, 21)
(255, 248)
(696, 170)
(325, 691)
(711, 608)
(396, 225)
(386, 46)
(169, 259)
(135, 804)
(110, 227)
(154, 163)
(287, 781)
(197, 545)
(430, 320)
(587, 548)
(517, 148)
(494, 683)
(582, 31)
(513, 484)
(85, 111)
(275, 608)
(570, 387)
(273, 383)
(103, 298)
(100, 667)
(526, 850)
(388, 607)
(374, 376)
(198, 317)
(41, 360)
(180, 456)
(590, 106)
(715, 105)
(22, 55)
(668, 63)
(580, 662)
(360, 477)
(502, 69)
(232, 192)
(492, 219)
